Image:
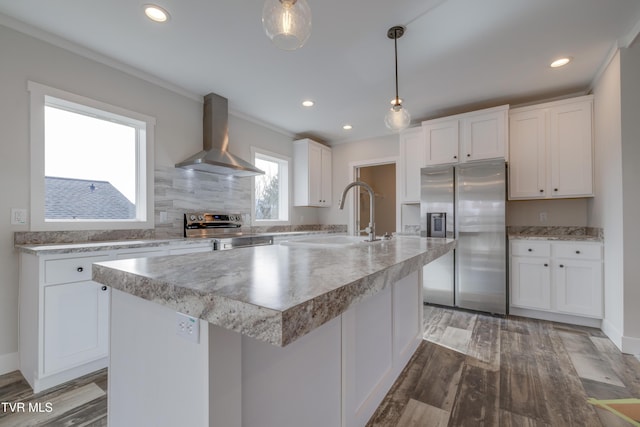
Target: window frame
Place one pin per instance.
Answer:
(41, 95)
(285, 205)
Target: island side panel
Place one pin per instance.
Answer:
(380, 334)
(156, 378)
(296, 385)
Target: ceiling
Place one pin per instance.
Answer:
(456, 55)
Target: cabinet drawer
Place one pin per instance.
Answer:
(530, 248)
(68, 270)
(577, 250)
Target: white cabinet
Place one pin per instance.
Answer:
(479, 135)
(484, 135)
(379, 336)
(64, 315)
(76, 325)
(412, 158)
(551, 150)
(441, 141)
(562, 277)
(312, 174)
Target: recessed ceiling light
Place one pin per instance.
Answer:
(560, 62)
(308, 103)
(347, 127)
(156, 13)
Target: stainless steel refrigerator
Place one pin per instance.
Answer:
(466, 202)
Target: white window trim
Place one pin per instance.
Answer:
(267, 222)
(145, 193)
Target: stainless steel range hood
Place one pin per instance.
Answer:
(215, 158)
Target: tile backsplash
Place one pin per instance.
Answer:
(178, 191)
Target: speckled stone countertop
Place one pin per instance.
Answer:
(70, 248)
(588, 234)
(87, 247)
(273, 293)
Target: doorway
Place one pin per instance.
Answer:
(382, 179)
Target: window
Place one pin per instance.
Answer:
(91, 163)
(271, 190)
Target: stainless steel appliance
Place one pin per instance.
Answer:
(469, 199)
(224, 228)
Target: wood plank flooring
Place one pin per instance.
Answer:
(471, 370)
(478, 370)
(81, 403)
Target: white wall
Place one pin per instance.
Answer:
(345, 154)
(561, 212)
(178, 135)
(630, 70)
(605, 210)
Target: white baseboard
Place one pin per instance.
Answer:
(631, 345)
(8, 363)
(612, 333)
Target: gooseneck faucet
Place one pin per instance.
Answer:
(371, 229)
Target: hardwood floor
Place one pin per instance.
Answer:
(471, 370)
(82, 402)
(478, 370)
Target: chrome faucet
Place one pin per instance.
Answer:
(371, 229)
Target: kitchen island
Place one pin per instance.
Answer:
(283, 335)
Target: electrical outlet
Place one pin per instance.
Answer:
(18, 216)
(542, 216)
(163, 217)
(188, 327)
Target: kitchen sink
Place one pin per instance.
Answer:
(329, 241)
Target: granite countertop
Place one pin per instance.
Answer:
(583, 234)
(69, 248)
(273, 293)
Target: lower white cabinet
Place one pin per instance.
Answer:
(76, 320)
(562, 277)
(64, 315)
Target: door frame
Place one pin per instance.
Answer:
(353, 173)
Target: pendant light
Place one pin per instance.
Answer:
(397, 118)
(287, 22)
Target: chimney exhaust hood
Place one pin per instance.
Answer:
(215, 158)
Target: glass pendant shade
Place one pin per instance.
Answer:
(287, 22)
(397, 118)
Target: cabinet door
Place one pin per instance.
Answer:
(76, 324)
(441, 142)
(412, 154)
(531, 283)
(484, 136)
(571, 146)
(326, 176)
(578, 286)
(315, 175)
(527, 155)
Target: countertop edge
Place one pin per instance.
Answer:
(276, 327)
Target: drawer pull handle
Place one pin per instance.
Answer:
(546, 265)
(468, 155)
(542, 191)
(104, 288)
(79, 269)
(555, 189)
(577, 252)
(561, 265)
(530, 250)
(455, 157)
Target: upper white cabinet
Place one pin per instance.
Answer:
(441, 137)
(412, 157)
(468, 137)
(312, 174)
(551, 150)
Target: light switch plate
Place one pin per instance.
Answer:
(18, 216)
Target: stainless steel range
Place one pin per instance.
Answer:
(225, 228)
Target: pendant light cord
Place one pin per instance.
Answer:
(395, 46)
